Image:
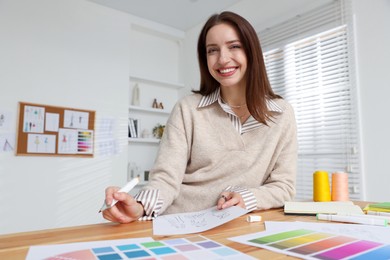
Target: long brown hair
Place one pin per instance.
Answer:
(258, 88)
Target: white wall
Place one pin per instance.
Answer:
(372, 22)
(65, 53)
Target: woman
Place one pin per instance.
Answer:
(231, 143)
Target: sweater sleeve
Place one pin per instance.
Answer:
(169, 168)
(279, 186)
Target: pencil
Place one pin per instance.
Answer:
(127, 188)
(353, 219)
(378, 213)
(366, 216)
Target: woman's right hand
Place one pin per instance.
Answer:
(126, 210)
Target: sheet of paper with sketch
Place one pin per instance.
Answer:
(194, 222)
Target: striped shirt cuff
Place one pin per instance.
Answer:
(151, 202)
(248, 197)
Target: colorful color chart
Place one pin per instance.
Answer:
(85, 142)
(196, 247)
(310, 244)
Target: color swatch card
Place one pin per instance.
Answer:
(196, 247)
(81, 250)
(322, 241)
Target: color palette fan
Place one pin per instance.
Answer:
(196, 247)
(315, 244)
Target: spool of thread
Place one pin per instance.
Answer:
(340, 186)
(321, 188)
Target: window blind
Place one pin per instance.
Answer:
(309, 63)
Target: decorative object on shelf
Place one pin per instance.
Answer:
(158, 131)
(145, 133)
(135, 97)
(158, 105)
(155, 104)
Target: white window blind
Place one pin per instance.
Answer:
(309, 63)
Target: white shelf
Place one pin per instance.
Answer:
(174, 85)
(163, 86)
(144, 140)
(150, 110)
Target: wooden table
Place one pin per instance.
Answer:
(15, 246)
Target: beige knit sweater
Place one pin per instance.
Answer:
(201, 154)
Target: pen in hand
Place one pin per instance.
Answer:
(127, 188)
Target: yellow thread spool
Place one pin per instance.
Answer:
(321, 189)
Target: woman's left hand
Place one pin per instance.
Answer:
(228, 199)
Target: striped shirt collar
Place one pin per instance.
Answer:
(250, 124)
(216, 96)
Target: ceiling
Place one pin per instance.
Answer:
(186, 14)
(179, 14)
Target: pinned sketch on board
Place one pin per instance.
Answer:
(33, 119)
(67, 143)
(55, 131)
(52, 122)
(76, 119)
(194, 222)
(38, 143)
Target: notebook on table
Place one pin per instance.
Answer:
(379, 207)
(313, 208)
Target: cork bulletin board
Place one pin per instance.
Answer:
(55, 131)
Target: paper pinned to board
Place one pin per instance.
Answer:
(194, 222)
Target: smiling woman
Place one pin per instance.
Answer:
(227, 63)
(210, 153)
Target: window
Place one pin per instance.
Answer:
(309, 63)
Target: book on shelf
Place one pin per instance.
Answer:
(382, 207)
(133, 128)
